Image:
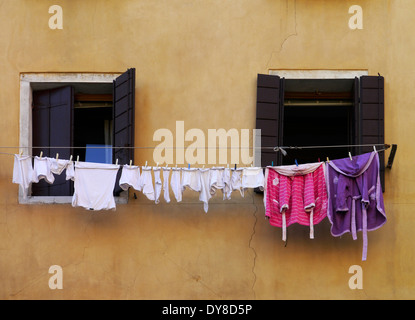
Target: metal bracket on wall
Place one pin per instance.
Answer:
(392, 156)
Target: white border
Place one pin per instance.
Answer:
(318, 74)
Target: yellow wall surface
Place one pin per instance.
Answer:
(197, 61)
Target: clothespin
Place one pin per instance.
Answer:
(272, 163)
(70, 158)
(131, 163)
(188, 166)
(116, 162)
(235, 166)
(77, 159)
(350, 156)
(157, 164)
(57, 156)
(296, 162)
(21, 152)
(374, 148)
(145, 165)
(41, 154)
(328, 160)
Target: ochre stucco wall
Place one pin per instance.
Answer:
(197, 61)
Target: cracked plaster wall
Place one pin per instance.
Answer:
(197, 61)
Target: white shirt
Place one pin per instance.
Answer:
(94, 185)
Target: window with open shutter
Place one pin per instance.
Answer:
(123, 117)
(319, 112)
(52, 127)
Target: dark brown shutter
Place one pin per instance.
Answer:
(123, 115)
(52, 118)
(372, 128)
(269, 117)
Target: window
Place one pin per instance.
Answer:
(79, 111)
(319, 112)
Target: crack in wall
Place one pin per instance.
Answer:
(252, 248)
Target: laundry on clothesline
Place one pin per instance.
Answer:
(355, 196)
(295, 194)
(347, 191)
(94, 182)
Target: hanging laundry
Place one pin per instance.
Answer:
(355, 196)
(94, 185)
(236, 180)
(205, 194)
(58, 165)
(130, 177)
(157, 184)
(295, 194)
(253, 177)
(70, 171)
(23, 172)
(216, 179)
(190, 179)
(42, 170)
(146, 183)
(166, 175)
(175, 183)
(227, 188)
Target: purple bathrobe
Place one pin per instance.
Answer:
(355, 196)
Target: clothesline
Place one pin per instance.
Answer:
(275, 148)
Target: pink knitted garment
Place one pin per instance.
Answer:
(296, 194)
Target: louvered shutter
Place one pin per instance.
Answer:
(372, 128)
(52, 119)
(269, 117)
(123, 115)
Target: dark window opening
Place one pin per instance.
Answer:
(317, 113)
(93, 128)
(86, 120)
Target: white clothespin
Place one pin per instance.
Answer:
(116, 162)
(70, 158)
(145, 165)
(57, 156)
(41, 154)
(157, 165)
(21, 152)
(131, 163)
(374, 148)
(77, 159)
(350, 156)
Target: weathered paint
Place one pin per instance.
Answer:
(197, 61)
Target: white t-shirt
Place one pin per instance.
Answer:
(94, 185)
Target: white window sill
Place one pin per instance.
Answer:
(121, 199)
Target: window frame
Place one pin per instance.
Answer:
(368, 94)
(27, 80)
